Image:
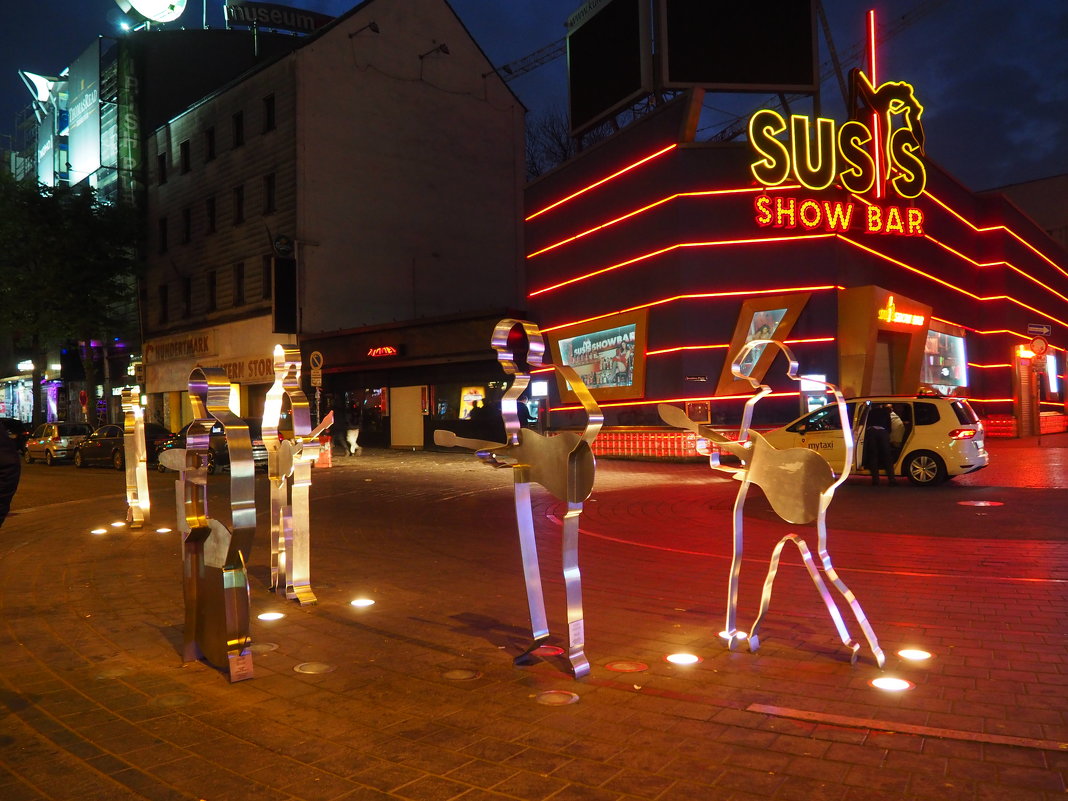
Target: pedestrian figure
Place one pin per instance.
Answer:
(877, 453)
(10, 469)
(352, 436)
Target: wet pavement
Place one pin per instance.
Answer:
(416, 697)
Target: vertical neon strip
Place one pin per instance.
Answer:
(877, 138)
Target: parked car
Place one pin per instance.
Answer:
(17, 430)
(54, 442)
(107, 445)
(218, 452)
(937, 437)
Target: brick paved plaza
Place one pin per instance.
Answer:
(421, 700)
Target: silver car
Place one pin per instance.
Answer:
(55, 442)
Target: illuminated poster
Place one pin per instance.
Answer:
(762, 326)
(944, 362)
(602, 359)
(46, 157)
(84, 92)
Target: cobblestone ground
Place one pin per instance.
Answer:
(420, 700)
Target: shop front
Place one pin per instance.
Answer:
(845, 241)
(398, 383)
(244, 350)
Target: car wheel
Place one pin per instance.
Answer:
(925, 469)
(79, 460)
(118, 460)
(26, 457)
(49, 458)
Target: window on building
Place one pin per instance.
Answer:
(212, 290)
(187, 225)
(267, 276)
(164, 303)
(209, 143)
(239, 128)
(268, 193)
(187, 297)
(239, 284)
(161, 168)
(239, 204)
(162, 238)
(186, 159)
(209, 211)
(268, 113)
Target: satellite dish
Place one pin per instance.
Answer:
(154, 10)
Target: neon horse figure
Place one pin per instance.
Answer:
(563, 464)
(289, 466)
(799, 485)
(215, 579)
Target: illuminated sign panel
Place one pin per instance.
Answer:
(890, 314)
(383, 351)
(874, 156)
(84, 137)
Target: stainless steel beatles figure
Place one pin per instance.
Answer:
(562, 464)
(799, 485)
(290, 459)
(215, 580)
(135, 450)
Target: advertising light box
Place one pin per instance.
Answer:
(84, 136)
(608, 354)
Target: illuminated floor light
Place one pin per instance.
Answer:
(741, 635)
(163, 530)
(556, 698)
(891, 685)
(271, 616)
(99, 531)
(683, 659)
(362, 602)
(118, 524)
(980, 503)
(914, 654)
(548, 650)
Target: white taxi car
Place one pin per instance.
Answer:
(932, 439)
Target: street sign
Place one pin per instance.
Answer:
(316, 360)
(1038, 346)
(1039, 329)
(316, 377)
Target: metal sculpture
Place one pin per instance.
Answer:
(563, 464)
(215, 580)
(135, 451)
(799, 485)
(289, 467)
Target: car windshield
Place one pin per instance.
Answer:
(73, 429)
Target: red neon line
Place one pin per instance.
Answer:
(1012, 267)
(987, 366)
(678, 348)
(710, 398)
(605, 180)
(653, 205)
(992, 400)
(694, 296)
(947, 284)
(871, 47)
(668, 249)
(993, 228)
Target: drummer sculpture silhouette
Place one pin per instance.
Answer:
(799, 485)
(563, 464)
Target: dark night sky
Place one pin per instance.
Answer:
(992, 74)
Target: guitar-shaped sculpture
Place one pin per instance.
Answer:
(289, 467)
(799, 484)
(563, 464)
(215, 579)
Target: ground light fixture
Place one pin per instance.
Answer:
(163, 530)
(891, 684)
(119, 524)
(271, 616)
(682, 659)
(914, 654)
(360, 602)
(99, 531)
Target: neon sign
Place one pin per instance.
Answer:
(835, 216)
(381, 351)
(890, 314)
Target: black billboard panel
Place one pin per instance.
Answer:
(738, 46)
(284, 295)
(609, 60)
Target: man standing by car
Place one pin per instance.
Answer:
(877, 443)
(10, 468)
